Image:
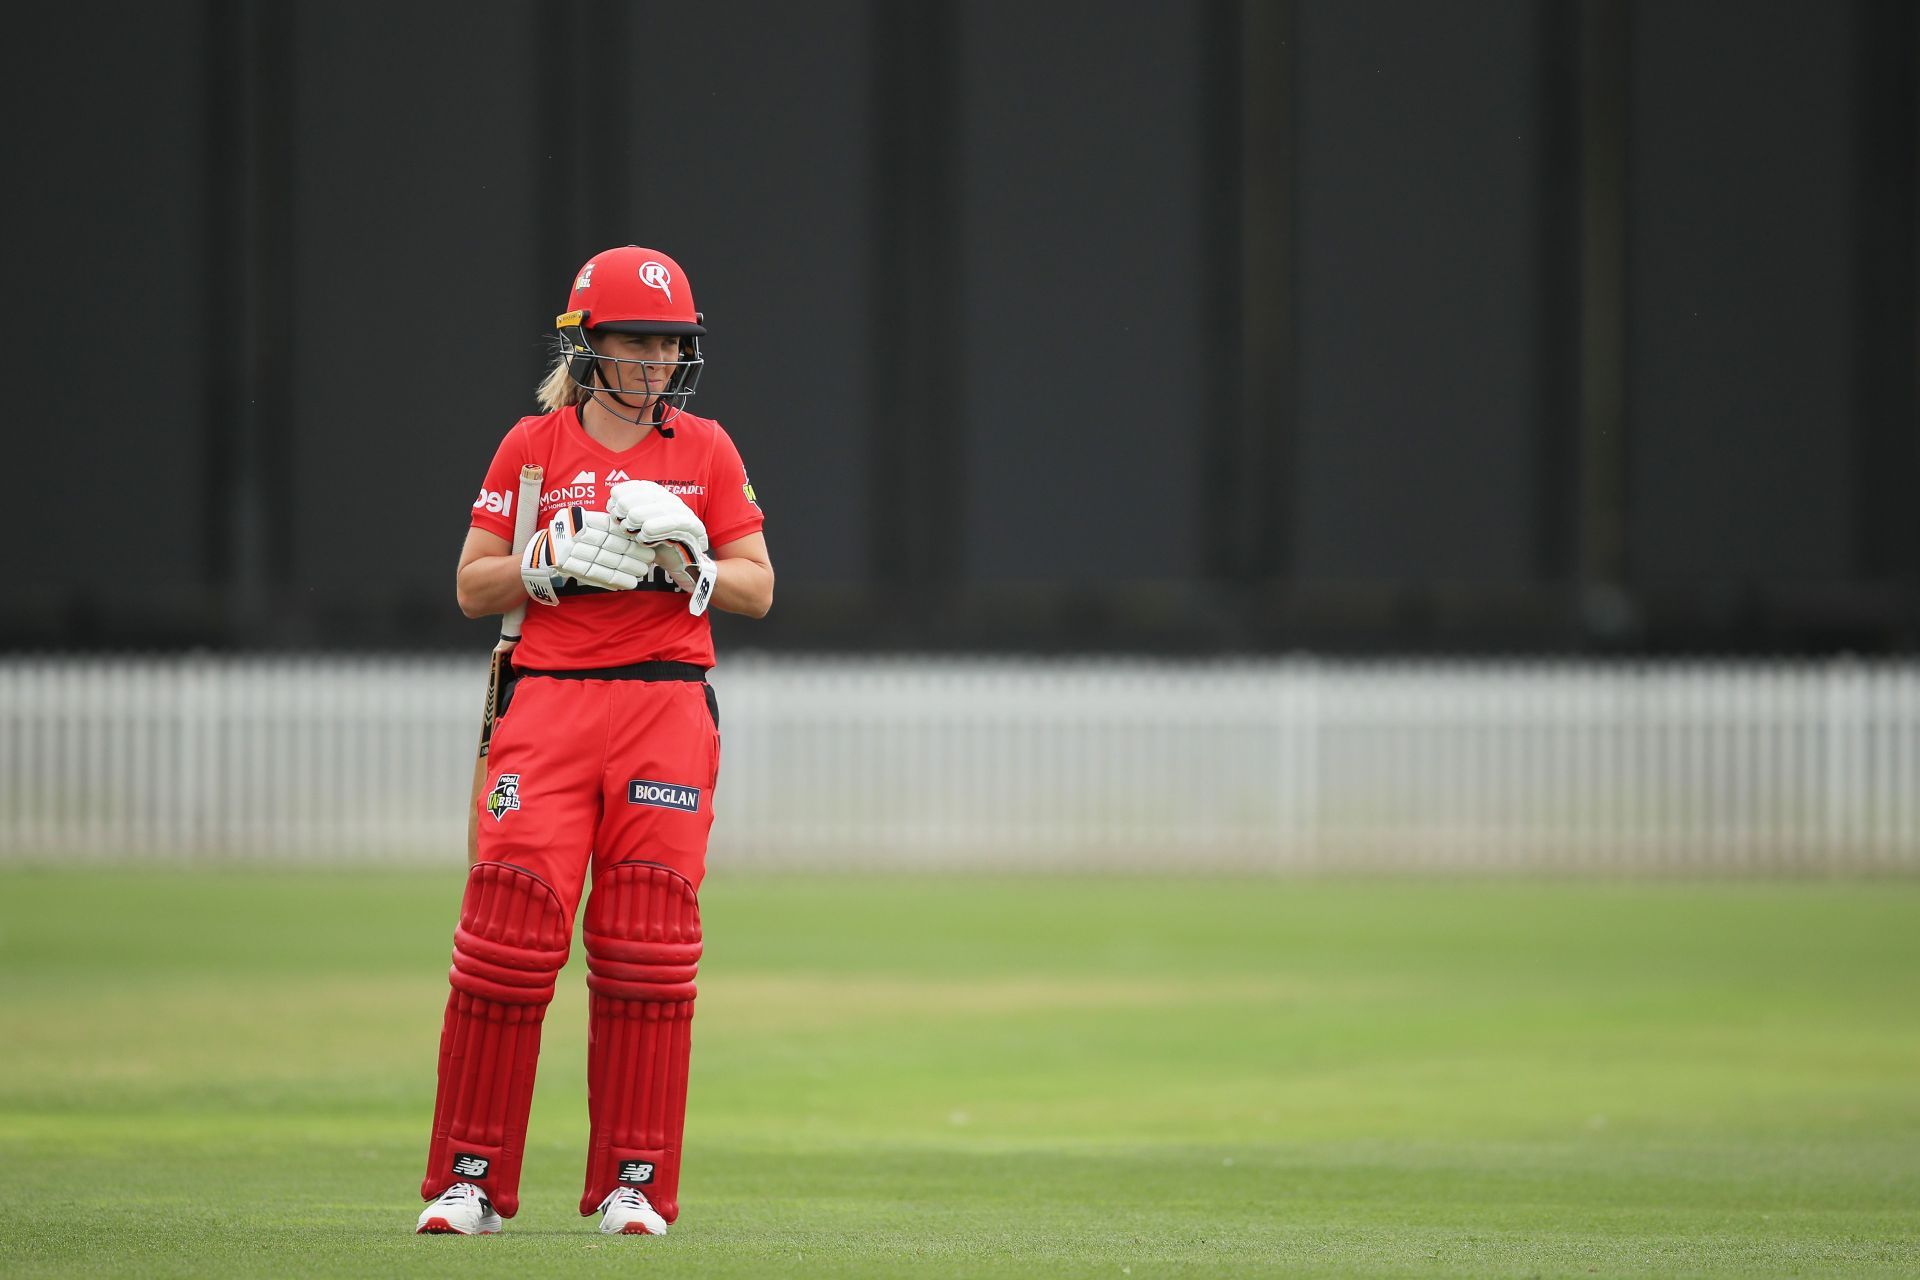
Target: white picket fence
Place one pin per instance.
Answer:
(1030, 763)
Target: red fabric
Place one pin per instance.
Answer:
(581, 773)
(606, 629)
(510, 945)
(643, 950)
(573, 752)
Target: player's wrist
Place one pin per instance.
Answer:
(490, 586)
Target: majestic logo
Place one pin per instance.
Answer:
(617, 476)
(586, 277)
(654, 275)
(467, 1165)
(585, 477)
(504, 796)
(494, 500)
(636, 1171)
(664, 795)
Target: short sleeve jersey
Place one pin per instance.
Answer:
(589, 628)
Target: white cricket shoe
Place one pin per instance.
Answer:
(626, 1213)
(461, 1210)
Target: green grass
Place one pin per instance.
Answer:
(231, 1073)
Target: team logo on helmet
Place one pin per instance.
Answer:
(656, 276)
(586, 277)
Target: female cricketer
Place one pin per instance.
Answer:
(604, 755)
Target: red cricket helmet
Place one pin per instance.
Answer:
(634, 290)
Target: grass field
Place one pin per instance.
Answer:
(231, 1074)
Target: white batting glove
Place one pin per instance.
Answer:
(660, 520)
(651, 514)
(690, 569)
(585, 547)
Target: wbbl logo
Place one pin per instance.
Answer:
(664, 795)
(466, 1165)
(640, 1171)
(504, 796)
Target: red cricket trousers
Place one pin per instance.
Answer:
(604, 770)
(616, 776)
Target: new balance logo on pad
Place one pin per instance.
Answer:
(636, 1171)
(470, 1166)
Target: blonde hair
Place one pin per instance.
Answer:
(558, 389)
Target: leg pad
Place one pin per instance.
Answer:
(507, 951)
(643, 949)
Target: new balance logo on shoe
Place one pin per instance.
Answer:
(636, 1171)
(470, 1166)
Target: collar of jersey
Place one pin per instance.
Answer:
(585, 437)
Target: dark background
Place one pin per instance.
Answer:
(1241, 326)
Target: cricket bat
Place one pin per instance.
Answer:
(524, 515)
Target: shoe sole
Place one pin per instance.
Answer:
(441, 1227)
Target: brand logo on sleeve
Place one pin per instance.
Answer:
(664, 795)
(495, 501)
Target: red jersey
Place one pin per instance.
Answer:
(613, 628)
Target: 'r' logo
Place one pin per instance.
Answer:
(655, 276)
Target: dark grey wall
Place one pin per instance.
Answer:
(415, 300)
(1082, 296)
(1742, 293)
(1419, 219)
(1246, 324)
(106, 322)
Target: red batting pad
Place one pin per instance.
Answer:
(509, 948)
(643, 947)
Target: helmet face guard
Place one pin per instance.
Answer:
(586, 366)
(638, 291)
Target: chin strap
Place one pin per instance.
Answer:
(659, 406)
